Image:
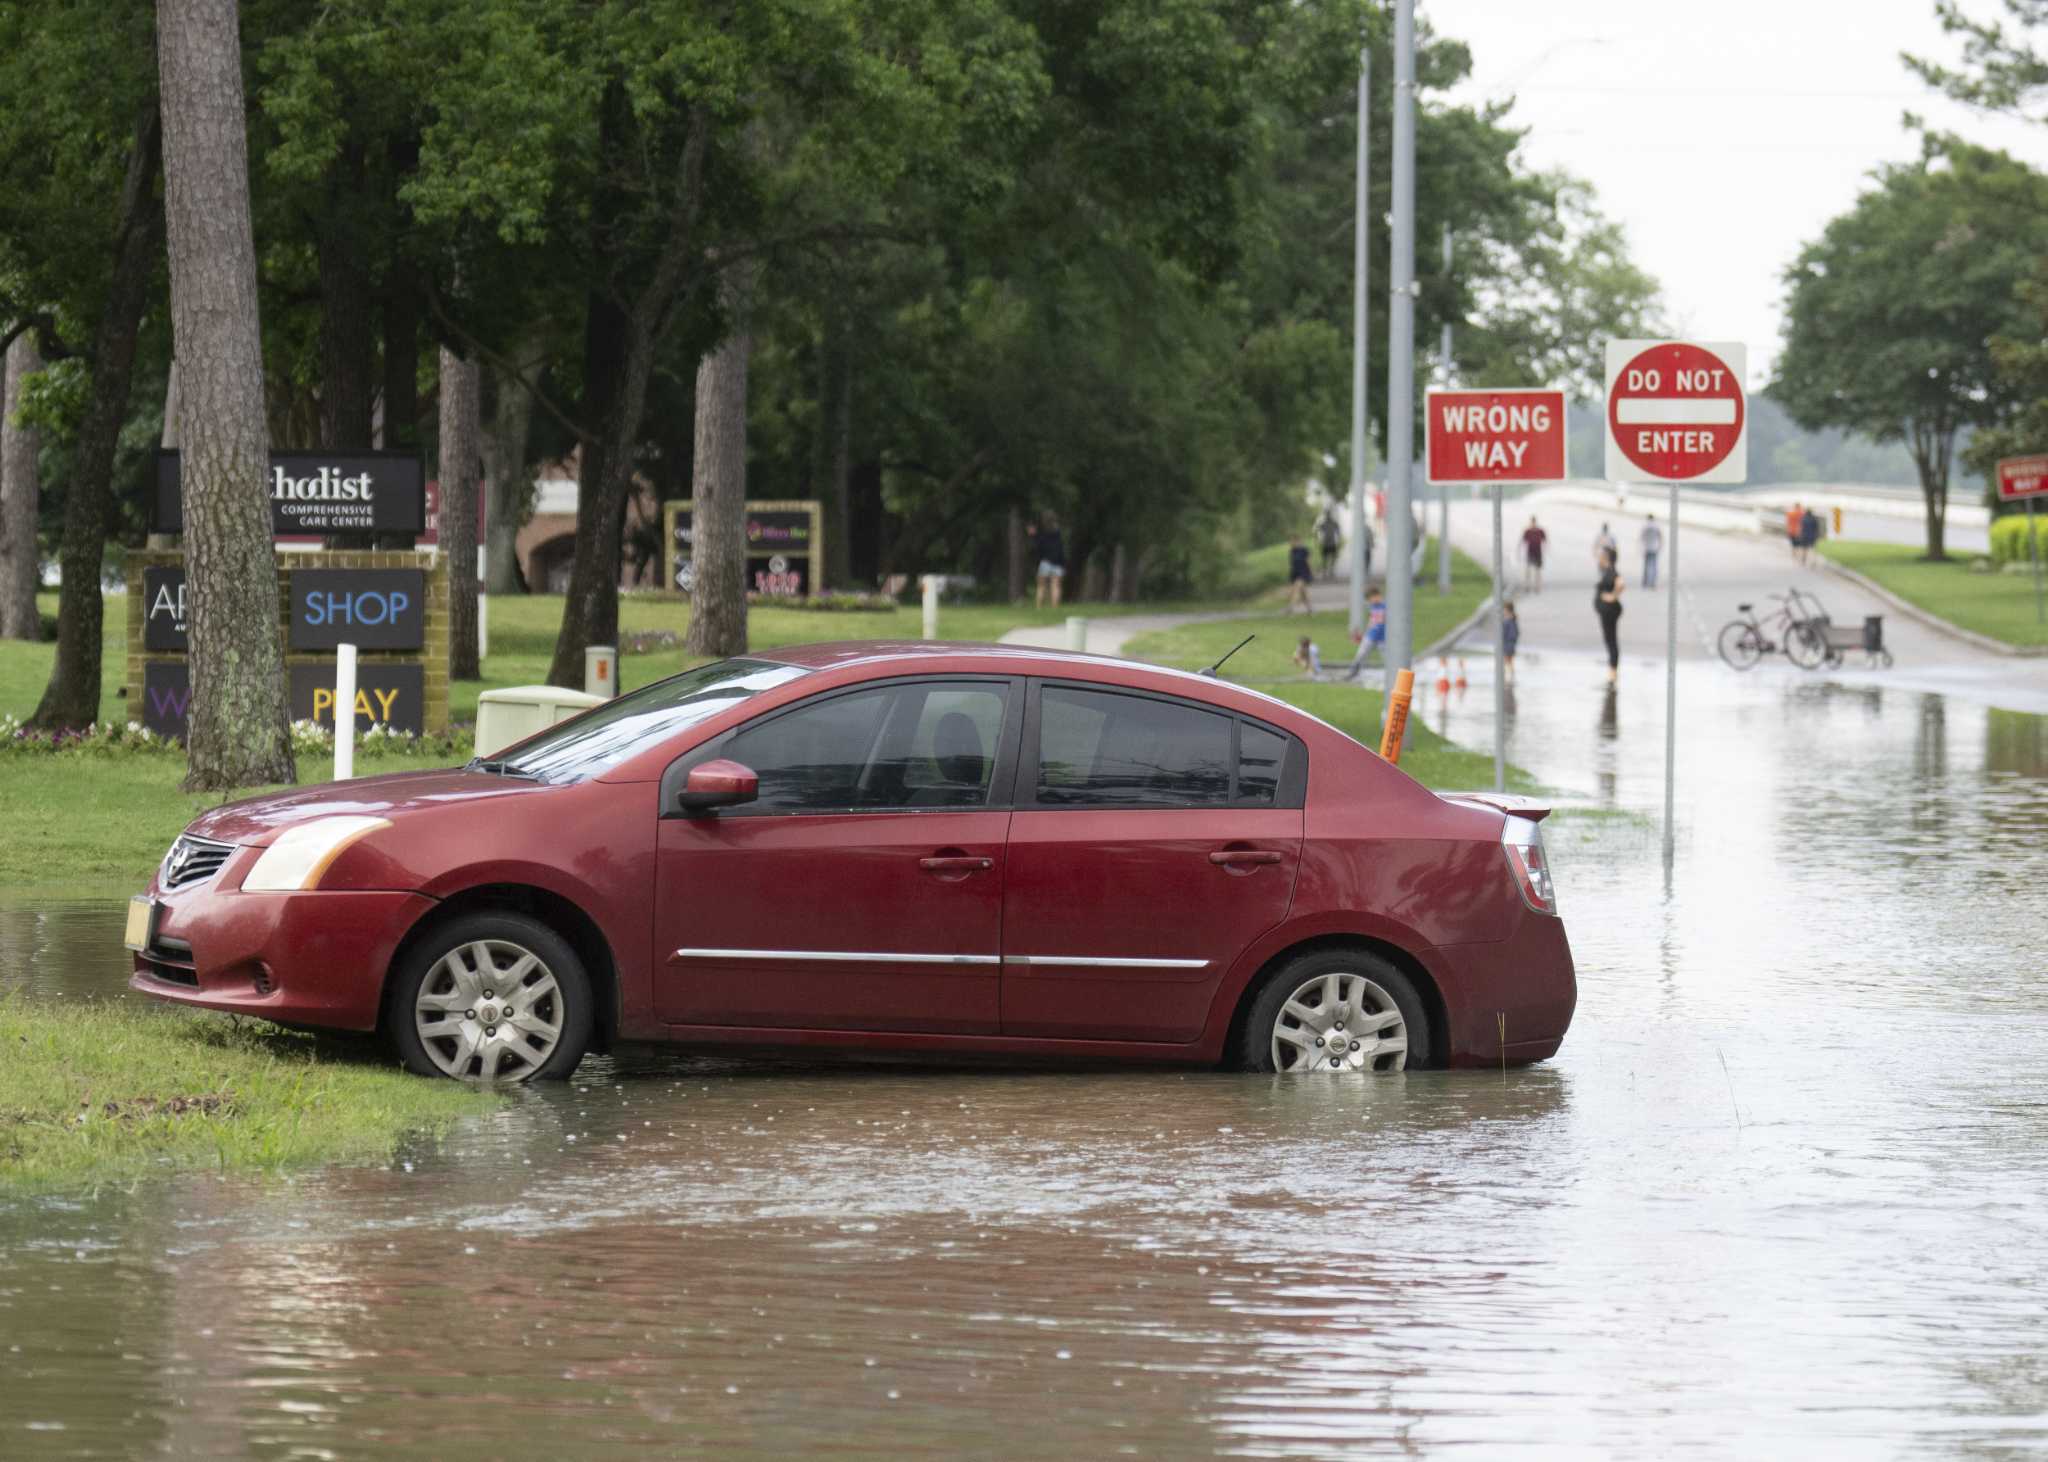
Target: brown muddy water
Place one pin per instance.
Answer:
(1781, 1194)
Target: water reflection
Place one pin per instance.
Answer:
(1783, 1182)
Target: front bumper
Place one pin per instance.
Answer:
(315, 958)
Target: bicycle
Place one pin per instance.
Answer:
(1743, 642)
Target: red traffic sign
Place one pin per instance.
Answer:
(2022, 477)
(1495, 436)
(1676, 411)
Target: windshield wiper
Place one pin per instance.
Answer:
(500, 768)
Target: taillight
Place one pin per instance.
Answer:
(1522, 841)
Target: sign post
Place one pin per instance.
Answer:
(1495, 437)
(2024, 479)
(1676, 412)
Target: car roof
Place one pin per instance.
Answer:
(910, 657)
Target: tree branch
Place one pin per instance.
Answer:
(502, 365)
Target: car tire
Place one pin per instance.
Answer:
(1336, 1000)
(535, 1028)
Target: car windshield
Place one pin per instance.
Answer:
(598, 741)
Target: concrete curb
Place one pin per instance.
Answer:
(1931, 620)
(1443, 643)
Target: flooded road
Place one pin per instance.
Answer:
(1780, 1192)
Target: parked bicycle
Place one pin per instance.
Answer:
(1793, 628)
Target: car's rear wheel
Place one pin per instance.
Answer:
(491, 996)
(1336, 1011)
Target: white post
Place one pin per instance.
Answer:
(1077, 632)
(1401, 548)
(601, 670)
(344, 712)
(1500, 655)
(930, 585)
(1361, 566)
(1671, 687)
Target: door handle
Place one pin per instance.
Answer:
(965, 864)
(1231, 857)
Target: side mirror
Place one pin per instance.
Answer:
(716, 784)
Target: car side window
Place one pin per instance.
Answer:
(895, 747)
(1261, 765)
(1102, 749)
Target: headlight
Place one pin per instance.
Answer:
(302, 853)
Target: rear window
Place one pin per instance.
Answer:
(599, 740)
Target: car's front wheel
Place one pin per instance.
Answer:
(491, 996)
(1336, 1011)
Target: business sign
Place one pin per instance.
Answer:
(784, 541)
(166, 696)
(430, 535)
(164, 623)
(386, 695)
(1495, 436)
(316, 493)
(2020, 478)
(372, 609)
(1676, 412)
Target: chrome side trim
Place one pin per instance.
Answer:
(839, 956)
(1105, 962)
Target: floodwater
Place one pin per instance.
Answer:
(1781, 1193)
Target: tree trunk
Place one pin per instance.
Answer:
(1019, 555)
(1931, 457)
(1091, 576)
(458, 468)
(238, 728)
(348, 344)
(718, 593)
(72, 697)
(1119, 576)
(21, 563)
(835, 450)
(506, 478)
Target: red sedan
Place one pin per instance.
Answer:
(905, 847)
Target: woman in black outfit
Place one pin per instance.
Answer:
(1607, 604)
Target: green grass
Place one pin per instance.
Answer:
(1271, 655)
(93, 1093)
(1436, 763)
(1998, 605)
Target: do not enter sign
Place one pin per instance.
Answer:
(1676, 411)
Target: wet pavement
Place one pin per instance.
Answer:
(1780, 1192)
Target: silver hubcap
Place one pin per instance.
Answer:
(489, 1011)
(1339, 1022)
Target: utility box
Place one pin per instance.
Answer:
(516, 712)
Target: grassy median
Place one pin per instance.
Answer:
(94, 1093)
(2000, 605)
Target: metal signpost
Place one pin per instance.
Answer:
(1495, 437)
(1400, 644)
(1443, 494)
(1676, 412)
(1361, 565)
(2024, 479)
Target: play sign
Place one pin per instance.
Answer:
(1495, 436)
(1676, 412)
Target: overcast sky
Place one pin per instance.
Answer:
(1723, 136)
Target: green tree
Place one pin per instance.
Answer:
(1890, 314)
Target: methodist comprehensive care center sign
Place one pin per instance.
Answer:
(318, 493)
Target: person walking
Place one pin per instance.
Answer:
(1375, 636)
(1603, 543)
(1794, 517)
(1328, 536)
(1607, 604)
(1809, 534)
(1653, 545)
(1533, 539)
(1051, 552)
(1510, 637)
(1299, 575)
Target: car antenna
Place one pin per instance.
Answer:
(1211, 671)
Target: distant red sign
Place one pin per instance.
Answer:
(1496, 436)
(2022, 477)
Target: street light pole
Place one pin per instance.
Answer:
(1443, 492)
(1361, 564)
(1400, 647)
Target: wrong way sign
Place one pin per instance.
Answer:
(2022, 477)
(1495, 436)
(1676, 411)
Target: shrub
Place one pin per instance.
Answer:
(308, 740)
(2009, 537)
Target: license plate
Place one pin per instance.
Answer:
(141, 921)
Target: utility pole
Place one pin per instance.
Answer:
(1400, 648)
(1443, 493)
(1361, 566)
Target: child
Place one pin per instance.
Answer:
(1309, 658)
(1510, 636)
(1375, 633)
